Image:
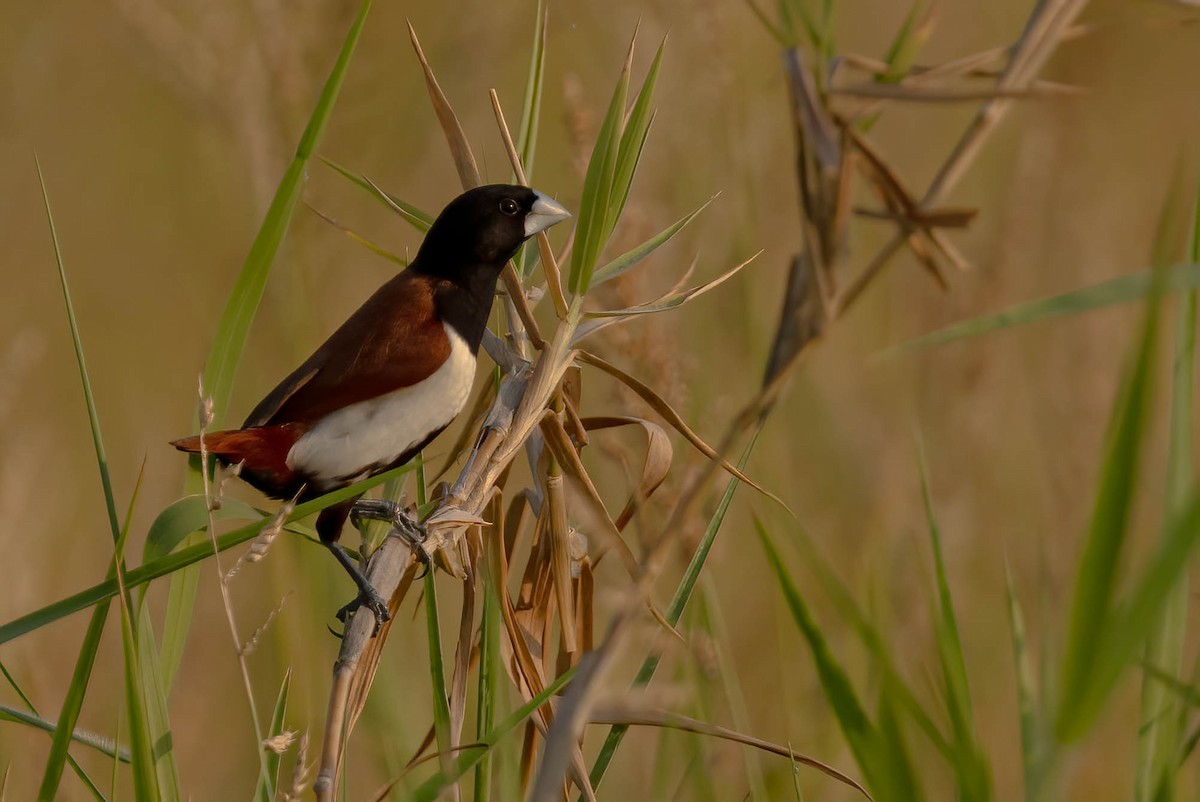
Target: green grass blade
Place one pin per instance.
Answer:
(141, 745)
(796, 19)
(34, 719)
(1091, 622)
(184, 516)
(142, 673)
(82, 737)
(683, 593)
(234, 327)
(1131, 619)
(970, 764)
(411, 214)
(145, 737)
(825, 40)
(1032, 732)
(531, 113)
(1164, 717)
(740, 713)
(633, 141)
(177, 618)
(628, 260)
(437, 670)
(901, 777)
(88, 397)
(531, 105)
(869, 635)
(52, 774)
(490, 670)
(265, 792)
(155, 700)
(1120, 290)
(906, 46)
(359, 239)
(597, 189)
(865, 740)
(177, 560)
(73, 703)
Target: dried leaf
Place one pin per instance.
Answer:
(560, 556)
(621, 715)
(460, 148)
(672, 299)
(560, 445)
(659, 453)
(659, 405)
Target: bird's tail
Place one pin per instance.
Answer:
(261, 450)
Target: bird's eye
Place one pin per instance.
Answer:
(509, 206)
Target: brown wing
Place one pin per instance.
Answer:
(394, 340)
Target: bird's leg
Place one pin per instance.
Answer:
(403, 524)
(367, 595)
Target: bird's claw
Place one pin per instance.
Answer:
(371, 600)
(403, 524)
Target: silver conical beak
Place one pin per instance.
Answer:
(544, 213)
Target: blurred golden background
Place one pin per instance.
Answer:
(163, 129)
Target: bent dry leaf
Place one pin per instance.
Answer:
(460, 148)
(560, 445)
(656, 465)
(673, 299)
(659, 405)
(625, 716)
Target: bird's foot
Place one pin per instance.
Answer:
(367, 595)
(403, 524)
(370, 599)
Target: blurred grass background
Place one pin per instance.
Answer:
(162, 137)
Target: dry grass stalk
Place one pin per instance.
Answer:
(823, 174)
(252, 644)
(300, 773)
(206, 419)
(626, 715)
(266, 536)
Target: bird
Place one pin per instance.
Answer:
(389, 379)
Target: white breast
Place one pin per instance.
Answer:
(346, 444)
